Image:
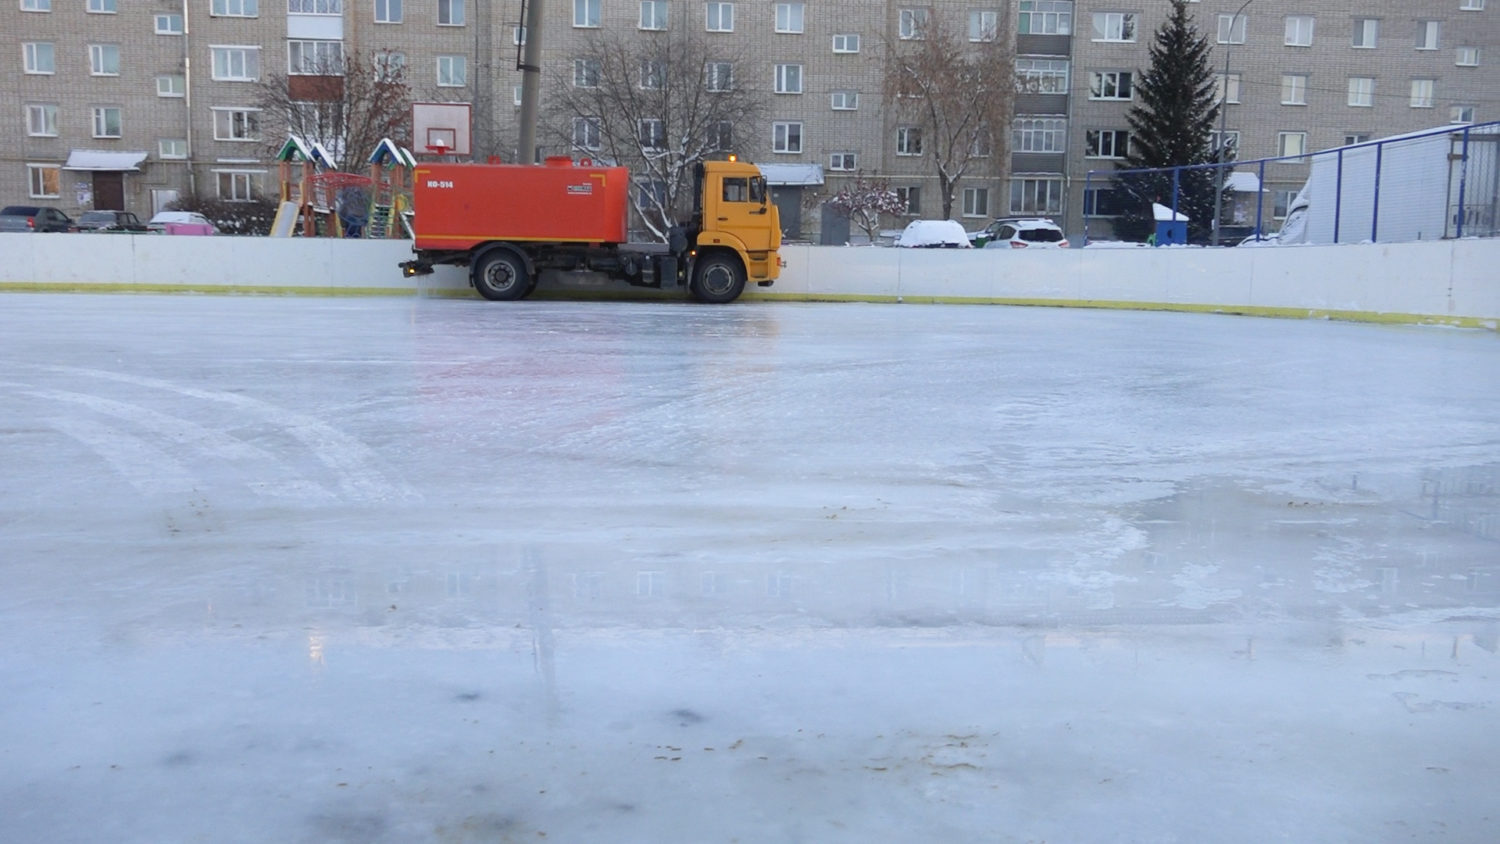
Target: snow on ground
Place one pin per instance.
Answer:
(426, 570)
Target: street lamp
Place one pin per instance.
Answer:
(1224, 119)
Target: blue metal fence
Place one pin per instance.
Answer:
(1438, 183)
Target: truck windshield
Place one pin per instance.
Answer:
(738, 189)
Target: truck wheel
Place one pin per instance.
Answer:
(501, 276)
(718, 280)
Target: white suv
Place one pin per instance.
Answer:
(1035, 233)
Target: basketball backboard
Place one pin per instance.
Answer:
(441, 129)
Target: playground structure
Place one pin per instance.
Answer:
(331, 203)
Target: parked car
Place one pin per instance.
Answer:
(181, 222)
(934, 234)
(34, 218)
(1028, 234)
(109, 221)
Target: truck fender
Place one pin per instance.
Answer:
(478, 253)
(725, 242)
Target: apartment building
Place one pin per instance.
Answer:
(134, 103)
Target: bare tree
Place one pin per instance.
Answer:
(347, 104)
(955, 95)
(659, 103)
(865, 201)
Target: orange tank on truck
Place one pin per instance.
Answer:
(508, 224)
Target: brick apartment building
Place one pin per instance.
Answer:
(134, 103)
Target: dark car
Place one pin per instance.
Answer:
(109, 221)
(33, 218)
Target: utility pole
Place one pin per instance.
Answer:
(531, 78)
(1224, 122)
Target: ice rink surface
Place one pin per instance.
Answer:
(408, 570)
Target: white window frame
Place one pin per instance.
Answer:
(1043, 75)
(450, 13)
(1102, 81)
(326, 59)
(1040, 134)
(1466, 57)
(1295, 34)
(390, 64)
(41, 120)
(1294, 89)
(1046, 187)
(100, 121)
(791, 18)
(1361, 92)
(788, 79)
(167, 23)
(1291, 146)
(101, 56)
(1423, 93)
(1429, 34)
(911, 197)
(1106, 143)
(224, 57)
(651, 133)
(654, 17)
(1354, 138)
(1233, 28)
(908, 141)
(1461, 114)
(587, 133)
(102, 7)
(315, 7)
(237, 179)
(446, 67)
(36, 5)
(586, 72)
(786, 137)
(32, 53)
(912, 24)
(389, 11)
(846, 43)
(1366, 28)
(176, 85)
(1228, 87)
(1281, 202)
(1110, 27)
(846, 100)
(1216, 139)
(984, 25)
(170, 153)
(518, 36)
(36, 182)
(718, 16)
(240, 124)
(653, 74)
(976, 202)
(719, 135)
(1045, 17)
(1471, 5)
(718, 77)
(234, 9)
(843, 162)
(587, 14)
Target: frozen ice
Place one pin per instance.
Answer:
(394, 570)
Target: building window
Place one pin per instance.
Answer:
(844, 162)
(1281, 202)
(1106, 143)
(910, 197)
(450, 12)
(237, 185)
(719, 136)
(586, 134)
(1042, 76)
(1471, 5)
(236, 64)
(1114, 26)
(1040, 134)
(171, 148)
(390, 65)
(41, 120)
(104, 59)
(789, 79)
(1228, 139)
(912, 24)
(981, 145)
(171, 85)
(1353, 138)
(1227, 88)
(789, 17)
(1291, 145)
(315, 58)
(652, 134)
(1421, 93)
(653, 15)
(1461, 114)
(1045, 17)
(236, 124)
(1299, 30)
(586, 14)
(452, 71)
(102, 7)
(169, 24)
(106, 121)
(315, 7)
(1036, 195)
(1467, 57)
(718, 76)
(976, 202)
(1110, 85)
(1366, 33)
(1427, 35)
(44, 180)
(1103, 202)
(909, 140)
(39, 57)
(720, 17)
(585, 73)
(387, 11)
(1294, 89)
(1232, 29)
(1362, 91)
(518, 36)
(846, 43)
(36, 5)
(235, 8)
(786, 137)
(653, 74)
(984, 25)
(845, 100)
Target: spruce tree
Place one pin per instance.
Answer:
(1171, 124)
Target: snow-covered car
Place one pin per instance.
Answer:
(1027, 234)
(934, 234)
(181, 222)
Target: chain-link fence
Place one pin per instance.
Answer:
(1438, 183)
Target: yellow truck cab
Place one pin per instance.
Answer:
(738, 231)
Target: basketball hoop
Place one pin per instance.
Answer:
(438, 148)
